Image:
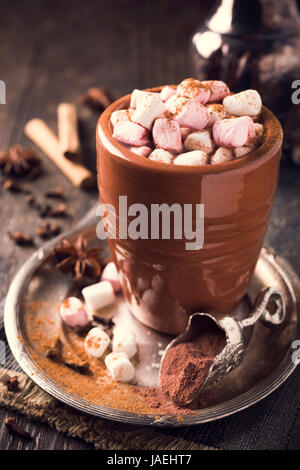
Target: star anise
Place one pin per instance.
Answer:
(77, 259)
(18, 162)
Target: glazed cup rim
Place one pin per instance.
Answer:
(272, 142)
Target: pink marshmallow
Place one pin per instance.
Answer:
(167, 135)
(167, 92)
(233, 132)
(143, 151)
(218, 90)
(194, 89)
(73, 313)
(189, 113)
(185, 131)
(131, 133)
(110, 274)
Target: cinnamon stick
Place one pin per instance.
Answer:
(67, 124)
(38, 131)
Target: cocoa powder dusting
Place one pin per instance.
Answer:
(186, 365)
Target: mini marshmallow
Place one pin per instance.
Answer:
(124, 341)
(216, 112)
(119, 367)
(167, 92)
(197, 157)
(149, 107)
(185, 131)
(73, 313)
(189, 113)
(218, 89)
(96, 342)
(194, 89)
(200, 140)
(142, 151)
(111, 274)
(242, 151)
(137, 94)
(221, 155)
(120, 115)
(259, 135)
(167, 135)
(131, 133)
(99, 295)
(233, 132)
(245, 103)
(162, 156)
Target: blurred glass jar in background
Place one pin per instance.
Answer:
(254, 44)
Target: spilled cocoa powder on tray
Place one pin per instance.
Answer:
(186, 365)
(97, 387)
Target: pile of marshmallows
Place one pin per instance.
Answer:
(75, 314)
(197, 123)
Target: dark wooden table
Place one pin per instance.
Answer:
(52, 51)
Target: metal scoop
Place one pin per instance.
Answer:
(269, 308)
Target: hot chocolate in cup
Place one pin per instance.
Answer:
(163, 281)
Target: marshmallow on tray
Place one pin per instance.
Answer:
(167, 135)
(99, 295)
(166, 93)
(221, 155)
(162, 156)
(196, 157)
(194, 89)
(149, 107)
(119, 367)
(233, 132)
(200, 140)
(124, 341)
(96, 342)
(218, 90)
(131, 133)
(245, 103)
(188, 113)
(110, 274)
(73, 313)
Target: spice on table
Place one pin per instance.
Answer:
(21, 239)
(97, 98)
(14, 187)
(48, 231)
(55, 193)
(15, 428)
(18, 162)
(186, 365)
(12, 383)
(67, 124)
(76, 259)
(54, 211)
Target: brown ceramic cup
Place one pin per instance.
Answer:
(161, 280)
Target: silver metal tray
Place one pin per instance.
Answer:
(266, 365)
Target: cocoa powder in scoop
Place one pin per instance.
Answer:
(186, 365)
